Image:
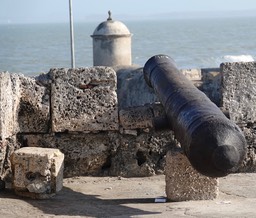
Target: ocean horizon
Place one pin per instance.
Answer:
(32, 49)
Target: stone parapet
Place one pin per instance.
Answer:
(103, 119)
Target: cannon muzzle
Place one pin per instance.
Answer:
(214, 145)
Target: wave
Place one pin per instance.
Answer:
(214, 61)
(238, 58)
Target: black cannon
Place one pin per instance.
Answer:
(214, 145)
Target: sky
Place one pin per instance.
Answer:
(44, 11)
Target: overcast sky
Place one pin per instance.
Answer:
(33, 11)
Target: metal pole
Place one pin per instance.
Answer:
(71, 35)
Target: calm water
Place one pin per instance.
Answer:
(196, 43)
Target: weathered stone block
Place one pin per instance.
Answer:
(142, 155)
(38, 172)
(84, 99)
(24, 105)
(34, 110)
(9, 103)
(141, 117)
(239, 91)
(136, 117)
(132, 89)
(185, 183)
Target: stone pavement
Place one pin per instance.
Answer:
(133, 197)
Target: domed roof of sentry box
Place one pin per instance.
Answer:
(111, 28)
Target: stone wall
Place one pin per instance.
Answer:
(103, 119)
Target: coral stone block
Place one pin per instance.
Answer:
(34, 106)
(184, 183)
(84, 99)
(136, 117)
(38, 172)
(9, 101)
(239, 91)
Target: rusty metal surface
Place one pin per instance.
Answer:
(214, 145)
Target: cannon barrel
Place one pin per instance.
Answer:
(214, 145)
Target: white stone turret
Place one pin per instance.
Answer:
(111, 44)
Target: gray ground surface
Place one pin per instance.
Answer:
(133, 197)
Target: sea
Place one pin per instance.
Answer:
(32, 49)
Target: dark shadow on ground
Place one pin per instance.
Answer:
(72, 203)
